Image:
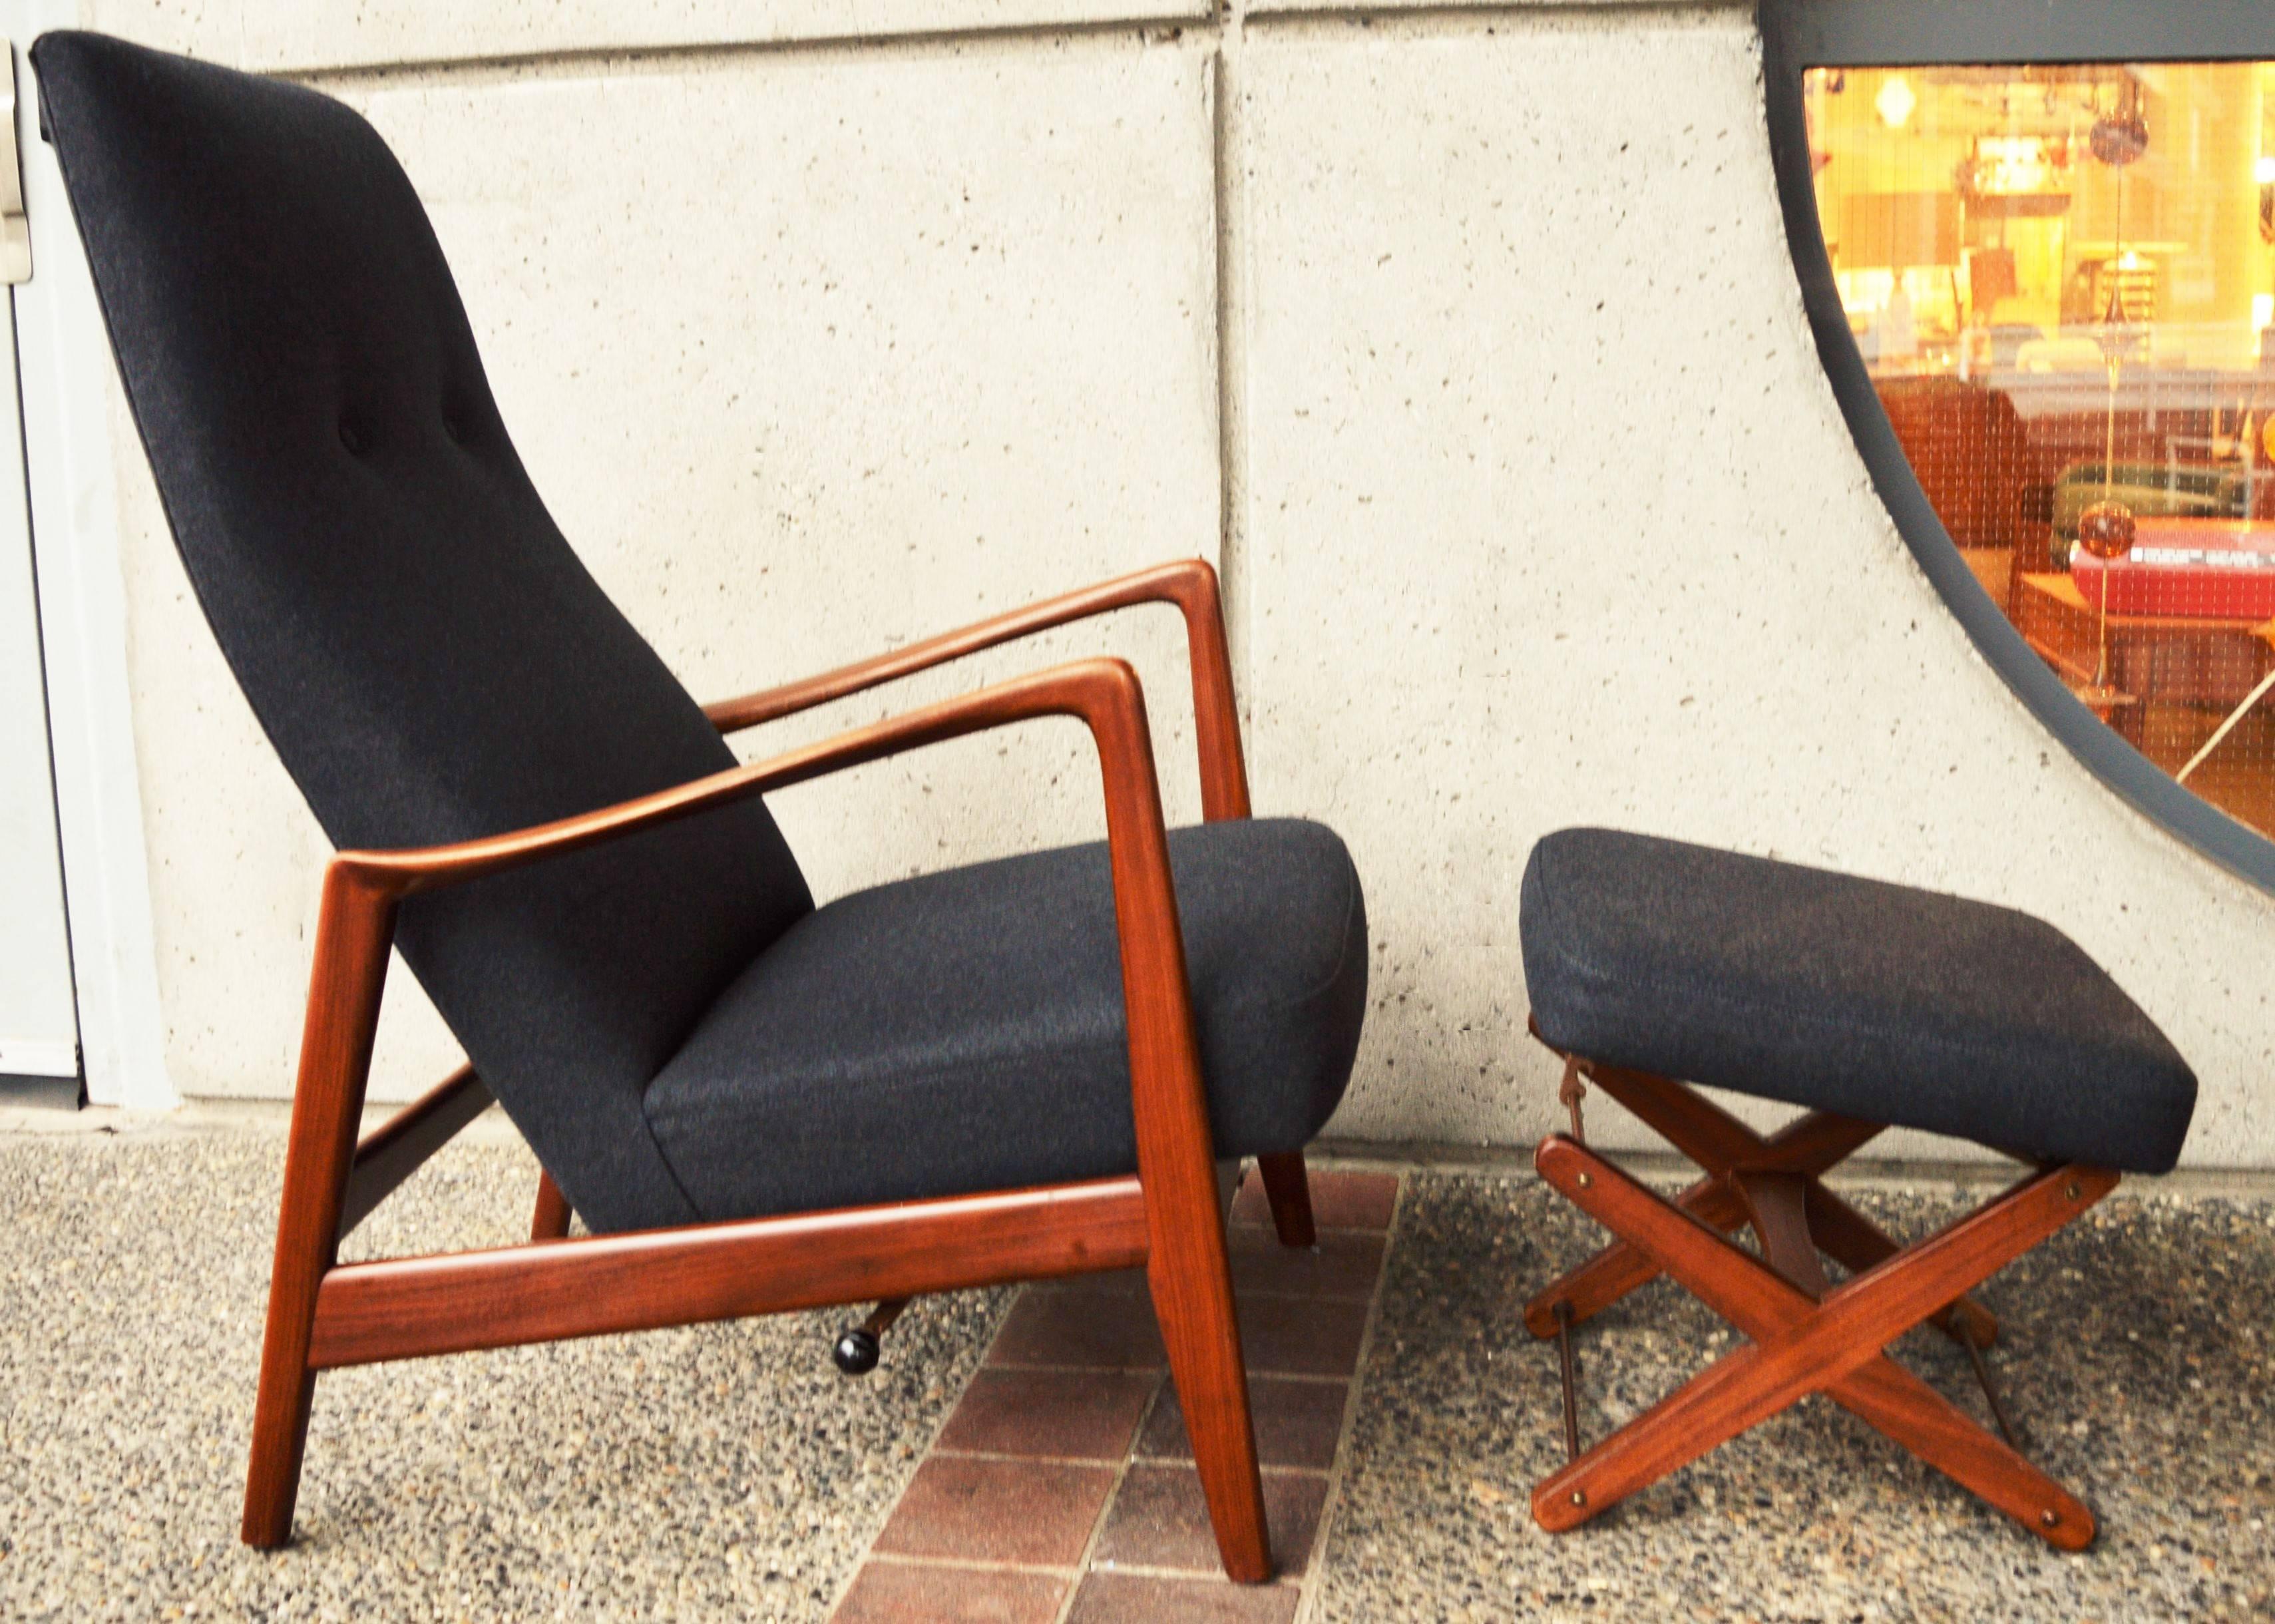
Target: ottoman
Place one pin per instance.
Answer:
(1653, 965)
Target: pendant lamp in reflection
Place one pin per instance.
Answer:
(2106, 529)
(2122, 137)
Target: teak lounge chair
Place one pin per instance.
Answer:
(754, 1104)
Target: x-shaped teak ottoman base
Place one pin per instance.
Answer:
(1868, 1005)
(1805, 1338)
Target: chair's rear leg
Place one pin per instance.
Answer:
(550, 1221)
(1289, 1187)
(352, 935)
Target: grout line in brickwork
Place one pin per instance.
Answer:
(931, 1446)
(1106, 1509)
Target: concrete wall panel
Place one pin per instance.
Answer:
(1545, 513)
(299, 37)
(1552, 520)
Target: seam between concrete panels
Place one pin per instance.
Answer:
(1230, 234)
(620, 61)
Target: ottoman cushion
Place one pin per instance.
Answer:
(1848, 995)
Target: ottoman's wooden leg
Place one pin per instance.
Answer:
(1802, 1345)
(1857, 1244)
(1721, 1145)
(1779, 1204)
(1899, 1404)
(1620, 1268)
(1718, 1142)
(1839, 1230)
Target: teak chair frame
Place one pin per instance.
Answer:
(323, 1314)
(1805, 1335)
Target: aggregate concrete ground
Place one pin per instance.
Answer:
(718, 1472)
(727, 1471)
(2137, 1357)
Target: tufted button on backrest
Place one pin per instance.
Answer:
(427, 653)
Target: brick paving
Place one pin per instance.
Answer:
(1061, 1488)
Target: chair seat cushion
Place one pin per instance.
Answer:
(964, 1030)
(1850, 995)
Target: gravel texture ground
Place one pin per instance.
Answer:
(726, 1471)
(2137, 1357)
(719, 1472)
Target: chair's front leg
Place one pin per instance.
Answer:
(353, 934)
(1190, 1281)
(1186, 1266)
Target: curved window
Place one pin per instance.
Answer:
(2038, 241)
(2062, 280)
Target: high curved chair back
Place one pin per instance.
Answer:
(424, 649)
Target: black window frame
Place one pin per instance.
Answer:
(1801, 34)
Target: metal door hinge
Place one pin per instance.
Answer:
(15, 230)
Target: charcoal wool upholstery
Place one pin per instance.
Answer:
(432, 663)
(1848, 995)
(982, 1009)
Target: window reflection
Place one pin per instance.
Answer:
(2062, 280)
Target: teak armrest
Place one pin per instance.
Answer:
(1102, 693)
(362, 889)
(1189, 583)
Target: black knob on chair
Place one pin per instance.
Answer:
(856, 1351)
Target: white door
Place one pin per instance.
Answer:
(39, 1024)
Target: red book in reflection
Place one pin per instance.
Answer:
(2198, 568)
